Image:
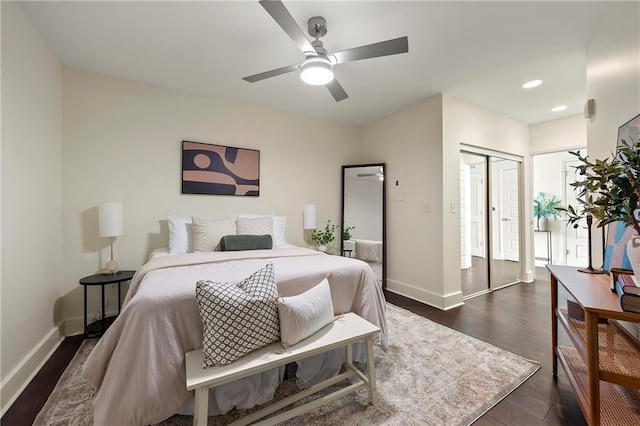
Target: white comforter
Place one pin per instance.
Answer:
(137, 367)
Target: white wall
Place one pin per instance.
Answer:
(563, 134)
(122, 142)
(31, 200)
(613, 81)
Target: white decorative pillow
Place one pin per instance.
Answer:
(207, 232)
(238, 318)
(179, 234)
(304, 314)
(279, 227)
(254, 226)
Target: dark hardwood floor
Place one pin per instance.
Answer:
(25, 409)
(516, 318)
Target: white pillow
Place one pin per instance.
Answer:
(279, 227)
(254, 226)
(238, 318)
(179, 234)
(207, 232)
(304, 314)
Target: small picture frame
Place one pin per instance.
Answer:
(220, 170)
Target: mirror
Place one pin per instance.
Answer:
(363, 216)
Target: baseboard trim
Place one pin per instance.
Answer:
(442, 302)
(25, 371)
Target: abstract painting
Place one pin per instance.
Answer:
(220, 170)
(615, 253)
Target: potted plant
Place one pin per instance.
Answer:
(346, 233)
(325, 236)
(609, 191)
(546, 206)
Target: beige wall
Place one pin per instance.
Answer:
(563, 134)
(31, 200)
(410, 142)
(421, 146)
(613, 80)
(468, 124)
(122, 142)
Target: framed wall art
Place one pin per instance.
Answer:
(220, 170)
(615, 253)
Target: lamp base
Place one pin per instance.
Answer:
(111, 268)
(591, 270)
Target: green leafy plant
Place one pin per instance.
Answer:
(546, 206)
(609, 189)
(346, 234)
(324, 236)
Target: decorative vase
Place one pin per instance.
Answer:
(322, 248)
(633, 253)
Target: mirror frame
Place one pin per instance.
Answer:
(384, 214)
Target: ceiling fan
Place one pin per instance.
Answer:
(317, 68)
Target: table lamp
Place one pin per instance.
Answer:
(110, 218)
(310, 216)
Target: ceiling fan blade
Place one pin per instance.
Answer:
(375, 50)
(336, 90)
(281, 15)
(272, 73)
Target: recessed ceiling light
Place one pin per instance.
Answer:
(559, 108)
(531, 84)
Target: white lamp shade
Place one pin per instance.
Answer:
(310, 216)
(110, 219)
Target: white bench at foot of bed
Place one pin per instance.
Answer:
(345, 331)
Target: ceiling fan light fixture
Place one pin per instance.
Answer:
(316, 71)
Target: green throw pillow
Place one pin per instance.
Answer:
(245, 242)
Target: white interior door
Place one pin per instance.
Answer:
(476, 210)
(577, 249)
(509, 214)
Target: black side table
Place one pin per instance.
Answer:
(97, 328)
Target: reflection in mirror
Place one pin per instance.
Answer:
(363, 216)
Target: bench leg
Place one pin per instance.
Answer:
(373, 394)
(349, 356)
(201, 408)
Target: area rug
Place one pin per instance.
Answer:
(431, 375)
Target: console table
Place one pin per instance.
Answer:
(604, 365)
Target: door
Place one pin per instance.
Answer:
(505, 241)
(577, 249)
(476, 209)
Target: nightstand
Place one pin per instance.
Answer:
(97, 328)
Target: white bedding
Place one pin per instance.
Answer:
(137, 367)
(368, 250)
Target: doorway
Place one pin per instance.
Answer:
(490, 226)
(559, 243)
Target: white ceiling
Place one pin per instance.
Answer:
(478, 51)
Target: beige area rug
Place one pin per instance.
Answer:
(431, 375)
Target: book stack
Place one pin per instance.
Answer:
(628, 289)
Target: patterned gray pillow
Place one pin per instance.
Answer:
(238, 318)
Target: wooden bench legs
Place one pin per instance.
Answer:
(202, 394)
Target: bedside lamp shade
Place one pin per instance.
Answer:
(310, 216)
(110, 219)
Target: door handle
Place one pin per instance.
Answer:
(506, 219)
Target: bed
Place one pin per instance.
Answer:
(137, 367)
